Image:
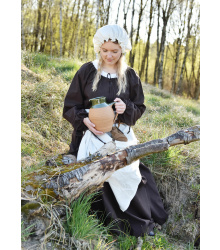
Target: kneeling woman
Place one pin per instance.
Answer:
(130, 195)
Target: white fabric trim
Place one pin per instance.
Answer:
(124, 182)
(103, 73)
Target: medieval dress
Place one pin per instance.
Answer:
(130, 195)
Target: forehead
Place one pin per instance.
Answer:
(110, 46)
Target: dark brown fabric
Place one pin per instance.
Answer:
(145, 209)
(80, 91)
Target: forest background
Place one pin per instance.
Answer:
(11, 51)
(165, 35)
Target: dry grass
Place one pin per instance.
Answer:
(45, 134)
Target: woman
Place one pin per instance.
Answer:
(130, 194)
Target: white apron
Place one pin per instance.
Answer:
(124, 182)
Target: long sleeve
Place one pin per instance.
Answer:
(135, 104)
(74, 110)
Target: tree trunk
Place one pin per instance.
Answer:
(179, 43)
(61, 38)
(131, 36)
(158, 49)
(75, 27)
(125, 10)
(22, 26)
(108, 10)
(97, 15)
(116, 21)
(51, 28)
(167, 11)
(197, 87)
(68, 182)
(189, 27)
(148, 40)
(84, 33)
(37, 30)
(42, 44)
(132, 54)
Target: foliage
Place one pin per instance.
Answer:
(42, 29)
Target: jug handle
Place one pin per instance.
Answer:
(115, 118)
(110, 104)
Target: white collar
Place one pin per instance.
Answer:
(95, 63)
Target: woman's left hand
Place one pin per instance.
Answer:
(120, 106)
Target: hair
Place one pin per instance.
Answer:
(121, 68)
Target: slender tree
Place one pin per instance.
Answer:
(22, 25)
(37, 29)
(166, 13)
(158, 37)
(178, 41)
(125, 10)
(145, 58)
(140, 14)
(116, 21)
(197, 87)
(61, 37)
(189, 27)
(132, 32)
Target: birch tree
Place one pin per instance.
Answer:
(166, 13)
(189, 27)
(22, 25)
(116, 21)
(140, 15)
(158, 37)
(61, 38)
(37, 30)
(131, 33)
(179, 40)
(145, 58)
(125, 11)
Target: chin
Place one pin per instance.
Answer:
(110, 63)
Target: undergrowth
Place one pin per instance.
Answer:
(44, 133)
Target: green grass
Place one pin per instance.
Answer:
(26, 231)
(44, 133)
(83, 225)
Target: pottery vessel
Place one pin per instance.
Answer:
(101, 114)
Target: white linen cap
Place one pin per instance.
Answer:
(113, 32)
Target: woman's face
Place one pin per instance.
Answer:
(110, 53)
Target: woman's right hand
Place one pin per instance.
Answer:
(91, 126)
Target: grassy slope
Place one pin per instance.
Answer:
(45, 133)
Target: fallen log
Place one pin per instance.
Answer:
(67, 181)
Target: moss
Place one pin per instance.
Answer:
(29, 206)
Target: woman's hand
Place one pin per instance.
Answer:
(91, 126)
(120, 106)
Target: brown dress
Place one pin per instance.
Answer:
(146, 207)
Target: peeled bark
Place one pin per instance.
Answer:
(69, 181)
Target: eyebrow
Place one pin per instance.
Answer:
(112, 49)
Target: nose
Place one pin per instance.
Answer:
(109, 55)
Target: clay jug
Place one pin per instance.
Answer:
(101, 114)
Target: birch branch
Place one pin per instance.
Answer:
(69, 181)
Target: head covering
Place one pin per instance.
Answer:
(113, 32)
